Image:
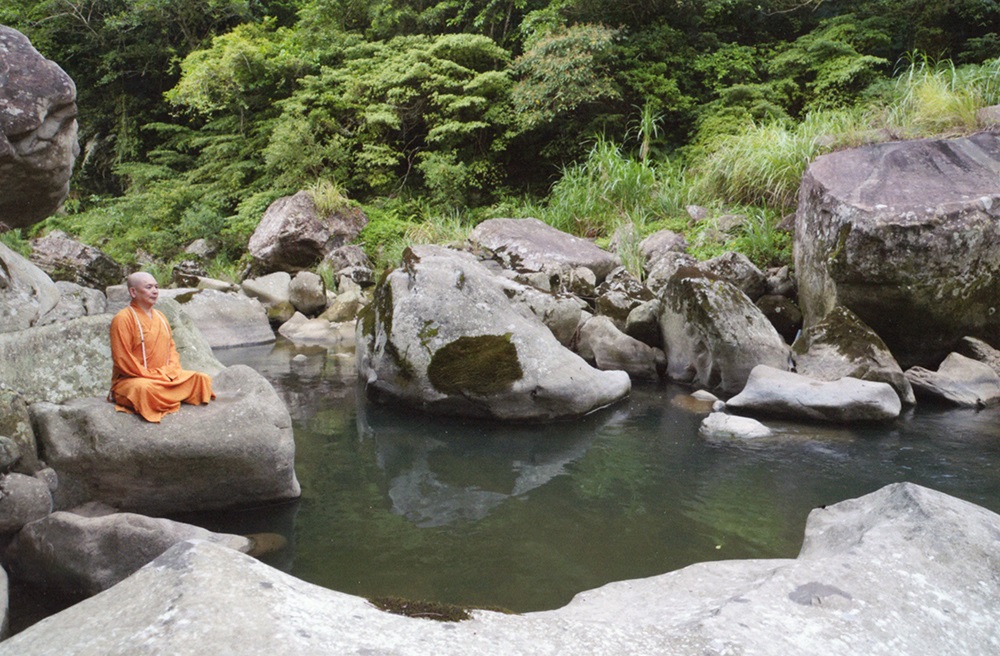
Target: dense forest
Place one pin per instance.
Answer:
(601, 118)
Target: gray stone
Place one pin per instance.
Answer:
(721, 426)
(348, 256)
(713, 335)
(618, 295)
(643, 323)
(303, 330)
(607, 348)
(83, 555)
(65, 258)
(906, 235)
(561, 313)
(38, 143)
(10, 453)
(23, 499)
(442, 334)
(345, 307)
(775, 392)
(270, 290)
(26, 292)
(977, 349)
(840, 346)
(293, 235)
(904, 570)
(15, 425)
(236, 451)
(225, 319)
(663, 241)
(530, 245)
(959, 380)
(203, 249)
(737, 269)
(666, 266)
(307, 293)
(75, 301)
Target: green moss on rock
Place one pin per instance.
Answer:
(479, 365)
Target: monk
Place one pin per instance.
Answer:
(147, 378)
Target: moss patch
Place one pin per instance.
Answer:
(431, 610)
(480, 365)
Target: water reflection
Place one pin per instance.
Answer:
(521, 516)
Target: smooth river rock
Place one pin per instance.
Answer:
(907, 236)
(904, 570)
(26, 292)
(236, 451)
(775, 392)
(83, 555)
(443, 334)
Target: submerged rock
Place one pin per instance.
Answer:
(443, 334)
(904, 570)
(782, 393)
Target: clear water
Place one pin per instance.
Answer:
(524, 517)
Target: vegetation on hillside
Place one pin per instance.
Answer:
(603, 119)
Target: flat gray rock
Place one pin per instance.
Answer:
(904, 570)
(771, 391)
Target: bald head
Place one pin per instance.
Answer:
(143, 289)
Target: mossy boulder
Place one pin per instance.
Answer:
(713, 334)
(842, 345)
(446, 335)
(907, 236)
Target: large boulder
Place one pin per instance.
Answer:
(26, 292)
(236, 451)
(294, 235)
(38, 143)
(841, 346)
(904, 570)
(77, 554)
(530, 245)
(737, 269)
(714, 335)
(443, 335)
(224, 319)
(959, 380)
(65, 258)
(906, 236)
(776, 392)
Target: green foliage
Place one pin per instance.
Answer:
(418, 112)
(562, 72)
(15, 241)
(757, 237)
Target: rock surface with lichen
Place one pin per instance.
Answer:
(907, 236)
(444, 335)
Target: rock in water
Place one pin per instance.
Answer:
(38, 143)
(713, 335)
(906, 235)
(443, 334)
(781, 393)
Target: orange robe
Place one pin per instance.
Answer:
(151, 383)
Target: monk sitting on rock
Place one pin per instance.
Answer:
(147, 377)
